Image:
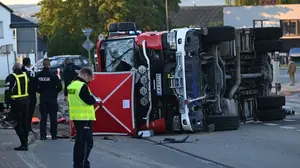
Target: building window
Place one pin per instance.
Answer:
(290, 27)
(298, 27)
(1, 30)
(260, 23)
(14, 33)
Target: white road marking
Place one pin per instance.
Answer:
(287, 127)
(30, 160)
(289, 120)
(293, 105)
(287, 107)
(270, 124)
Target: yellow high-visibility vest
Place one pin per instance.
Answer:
(18, 84)
(78, 109)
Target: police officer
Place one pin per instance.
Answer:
(48, 85)
(70, 73)
(81, 109)
(16, 96)
(31, 89)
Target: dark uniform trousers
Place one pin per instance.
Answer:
(49, 106)
(19, 111)
(83, 144)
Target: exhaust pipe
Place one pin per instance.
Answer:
(238, 65)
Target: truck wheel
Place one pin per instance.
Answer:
(267, 33)
(270, 102)
(219, 34)
(267, 46)
(272, 114)
(224, 123)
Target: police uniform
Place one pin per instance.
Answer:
(82, 113)
(48, 86)
(16, 96)
(32, 93)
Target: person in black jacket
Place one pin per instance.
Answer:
(70, 73)
(48, 85)
(31, 89)
(16, 96)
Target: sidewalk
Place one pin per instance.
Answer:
(8, 157)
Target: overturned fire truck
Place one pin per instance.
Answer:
(189, 79)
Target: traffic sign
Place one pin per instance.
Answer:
(87, 32)
(6, 49)
(88, 45)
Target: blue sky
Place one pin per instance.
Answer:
(184, 2)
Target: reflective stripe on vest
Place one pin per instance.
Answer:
(79, 110)
(19, 94)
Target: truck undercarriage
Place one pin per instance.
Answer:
(192, 79)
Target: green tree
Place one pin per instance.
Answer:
(228, 2)
(61, 21)
(220, 23)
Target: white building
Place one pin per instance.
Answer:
(6, 38)
(285, 16)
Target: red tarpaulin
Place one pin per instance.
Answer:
(116, 116)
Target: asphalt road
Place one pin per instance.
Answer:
(124, 152)
(254, 145)
(257, 145)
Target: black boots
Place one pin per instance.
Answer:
(22, 148)
(43, 138)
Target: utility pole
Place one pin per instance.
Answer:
(167, 15)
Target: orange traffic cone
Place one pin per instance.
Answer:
(35, 120)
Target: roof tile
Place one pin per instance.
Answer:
(201, 16)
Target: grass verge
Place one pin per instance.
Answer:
(2, 83)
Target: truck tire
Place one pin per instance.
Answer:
(267, 33)
(219, 34)
(267, 46)
(272, 114)
(270, 102)
(224, 123)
